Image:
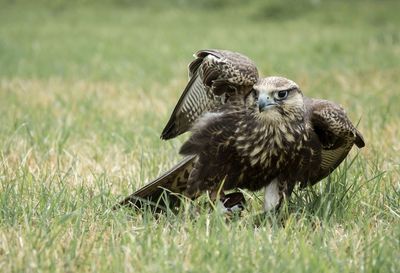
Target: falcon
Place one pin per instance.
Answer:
(247, 133)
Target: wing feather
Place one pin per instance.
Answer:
(213, 75)
(174, 181)
(335, 132)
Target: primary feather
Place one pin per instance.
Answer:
(214, 75)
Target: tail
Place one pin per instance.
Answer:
(161, 192)
(359, 140)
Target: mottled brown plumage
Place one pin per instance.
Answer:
(215, 75)
(250, 133)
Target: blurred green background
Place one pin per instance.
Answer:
(146, 41)
(87, 86)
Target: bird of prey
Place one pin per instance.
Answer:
(248, 133)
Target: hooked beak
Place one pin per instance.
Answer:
(265, 102)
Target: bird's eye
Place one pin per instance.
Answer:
(281, 95)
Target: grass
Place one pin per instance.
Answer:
(86, 89)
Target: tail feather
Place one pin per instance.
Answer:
(162, 192)
(359, 140)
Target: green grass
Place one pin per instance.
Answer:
(85, 91)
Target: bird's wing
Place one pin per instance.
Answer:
(171, 183)
(214, 75)
(335, 132)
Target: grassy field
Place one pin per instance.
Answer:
(85, 91)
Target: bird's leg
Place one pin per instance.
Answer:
(272, 201)
(275, 193)
(272, 196)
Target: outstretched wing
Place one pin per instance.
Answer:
(172, 182)
(214, 76)
(335, 132)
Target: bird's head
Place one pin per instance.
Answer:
(279, 99)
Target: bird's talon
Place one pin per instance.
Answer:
(232, 203)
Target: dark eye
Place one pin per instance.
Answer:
(281, 95)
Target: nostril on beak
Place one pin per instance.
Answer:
(264, 102)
